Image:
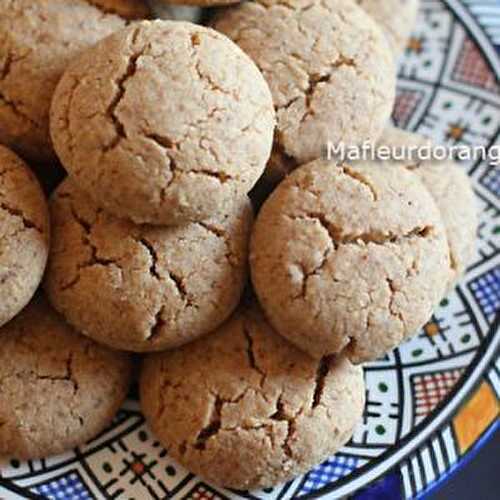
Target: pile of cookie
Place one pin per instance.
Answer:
(166, 130)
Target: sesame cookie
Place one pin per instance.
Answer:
(37, 41)
(24, 234)
(395, 17)
(330, 70)
(164, 122)
(451, 189)
(57, 388)
(246, 409)
(144, 288)
(349, 258)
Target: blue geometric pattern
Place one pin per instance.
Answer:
(486, 289)
(64, 487)
(334, 468)
(491, 180)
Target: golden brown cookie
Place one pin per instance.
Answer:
(349, 258)
(144, 288)
(395, 17)
(57, 388)
(24, 234)
(330, 70)
(245, 409)
(37, 41)
(451, 189)
(180, 129)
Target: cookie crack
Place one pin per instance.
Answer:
(86, 239)
(213, 426)
(250, 352)
(316, 79)
(376, 237)
(168, 145)
(280, 415)
(360, 178)
(322, 371)
(157, 326)
(16, 111)
(153, 269)
(120, 83)
(18, 214)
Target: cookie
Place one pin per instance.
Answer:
(451, 189)
(164, 122)
(330, 70)
(24, 234)
(37, 41)
(57, 388)
(245, 409)
(396, 18)
(157, 287)
(349, 258)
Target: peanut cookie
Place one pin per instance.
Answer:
(246, 409)
(24, 234)
(330, 70)
(57, 388)
(144, 288)
(164, 122)
(349, 258)
(451, 189)
(395, 17)
(37, 41)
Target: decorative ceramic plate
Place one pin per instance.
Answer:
(432, 402)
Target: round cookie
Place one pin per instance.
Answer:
(330, 70)
(57, 388)
(156, 287)
(24, 234)
(37, 41)
(246, 409)
(451, 189)
(349, 258)
(395, 17)
(164, 122)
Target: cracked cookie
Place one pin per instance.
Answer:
(349, 258)
(144, 288)
(330, 70)
(57, 388)
(395, 17)
(37, 41)
(164, 122)
(451, 189)
(246, 409)
(24, 234)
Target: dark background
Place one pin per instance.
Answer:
(477, 480)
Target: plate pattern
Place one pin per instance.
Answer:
(432, 402)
